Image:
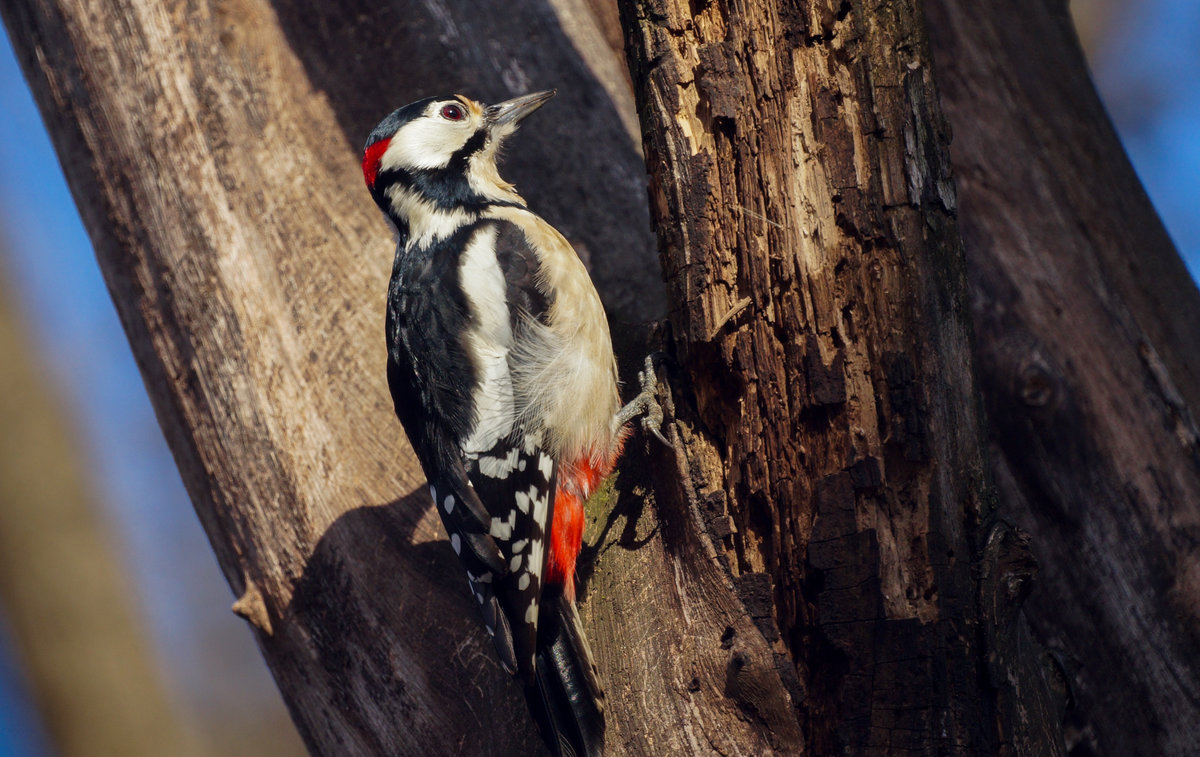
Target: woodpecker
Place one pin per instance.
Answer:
(501, 369)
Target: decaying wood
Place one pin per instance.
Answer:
(806, 216)
(212, 149)
(683, 649)
(1089, 357)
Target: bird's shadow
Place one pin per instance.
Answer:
(629, 498)
(385, 609)
(383, 605)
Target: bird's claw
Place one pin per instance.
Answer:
(645, 404)
(652, 420)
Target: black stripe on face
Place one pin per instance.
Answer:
(460, 159)
(447, 187)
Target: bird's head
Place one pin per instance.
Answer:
(441, 152)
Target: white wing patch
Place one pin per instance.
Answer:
(564, 373)
(523, 501)
(489, 343)
(537, 549)
(502, 529)
(500, 467)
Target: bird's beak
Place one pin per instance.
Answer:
(511, 112)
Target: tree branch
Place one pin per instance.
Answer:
(212, 149)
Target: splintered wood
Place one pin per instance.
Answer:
(800, 182)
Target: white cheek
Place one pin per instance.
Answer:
(426, 143)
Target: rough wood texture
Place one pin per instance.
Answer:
(684, 651)
(1089, 355)
(212, 149)
(833, 472)
(800, 185)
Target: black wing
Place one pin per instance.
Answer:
(496, 503)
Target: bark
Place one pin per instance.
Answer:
(76, 630)
(815, 567)
(806, 219)
(212, 150)
(1090, 359)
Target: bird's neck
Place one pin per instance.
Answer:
(484, 178)
(421, 221)
(423, 215)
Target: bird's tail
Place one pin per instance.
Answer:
(566, 698)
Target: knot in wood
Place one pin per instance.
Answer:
(1037, 384)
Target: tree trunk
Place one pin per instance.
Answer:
(1089, 354)
(89, 661)
(829, 469)
(806, 216)
(212, 150)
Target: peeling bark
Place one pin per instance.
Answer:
(806, 215)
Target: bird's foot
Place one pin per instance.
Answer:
(645, 404)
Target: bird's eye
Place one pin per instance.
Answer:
(453, 113)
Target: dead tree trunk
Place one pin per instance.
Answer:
(830, 469)
(1088, 329)
(1087, 347)
(806, 215)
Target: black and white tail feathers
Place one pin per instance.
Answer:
(566, 699)
(552, 655)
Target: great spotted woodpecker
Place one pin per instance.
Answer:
(501, 368)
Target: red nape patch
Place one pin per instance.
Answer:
(371, 157)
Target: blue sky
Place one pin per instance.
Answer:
(1149, 78)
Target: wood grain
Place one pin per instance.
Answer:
(801, 188)
(212, 150)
